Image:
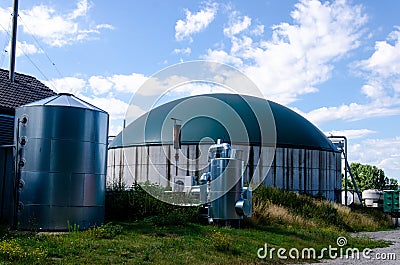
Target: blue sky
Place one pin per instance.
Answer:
(337, 63)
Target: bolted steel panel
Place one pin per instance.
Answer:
(93, 192)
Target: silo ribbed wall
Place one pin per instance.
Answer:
(315, 172)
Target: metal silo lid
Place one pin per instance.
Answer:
(64, 99)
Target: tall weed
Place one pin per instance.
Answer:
(276, 206)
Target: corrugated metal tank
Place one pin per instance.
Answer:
(62, 153)
(304, 160)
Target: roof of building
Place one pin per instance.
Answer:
(291, 129)
(25, 89)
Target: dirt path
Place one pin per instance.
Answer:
(388, 256)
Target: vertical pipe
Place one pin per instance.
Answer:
(17, 179)
(345, 161)
(168, 158)
(345, 171)
(13, 41)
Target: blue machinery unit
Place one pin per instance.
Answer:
(222, 186)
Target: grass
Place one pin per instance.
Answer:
(174, 237)
(143, 242)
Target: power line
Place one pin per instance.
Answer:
(29, 58)
(39, 70)
(32, 62)
(41, 48)
(6, 41)
(8, 34)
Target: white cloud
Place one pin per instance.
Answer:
(128, 83)
(157, 86)
(242, 46)
(299, 56)
(382, 87)
(101, 92)
(351, 134)
(5, 18)
(186, 50)
(385, 61)
(118, 83)
(132, 113)
(353, 111)
(24, 48)
(82, 7)
(104, 92)
(114, 129)
(383, 153)
(195, 23)
(100, 84)
(73, 85)
(373, 90)
(237, 25)
(258, 30)
(104, 26)
(59, 29)
(382, 69)
(116, 108)
(222, 57)
(195, 88)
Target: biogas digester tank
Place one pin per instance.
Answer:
(61, 163)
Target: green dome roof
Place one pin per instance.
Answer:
(292, 130)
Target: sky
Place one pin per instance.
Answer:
(336, 63)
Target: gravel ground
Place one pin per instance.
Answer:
(388, 256)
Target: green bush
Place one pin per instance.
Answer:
(136, 204)
(107, 231)
(12, 250)
(221, 241)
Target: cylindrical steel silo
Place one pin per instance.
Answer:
(61, 158)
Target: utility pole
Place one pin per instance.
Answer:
(13, 41)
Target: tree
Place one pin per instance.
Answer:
(370, 177)
(393, 184)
